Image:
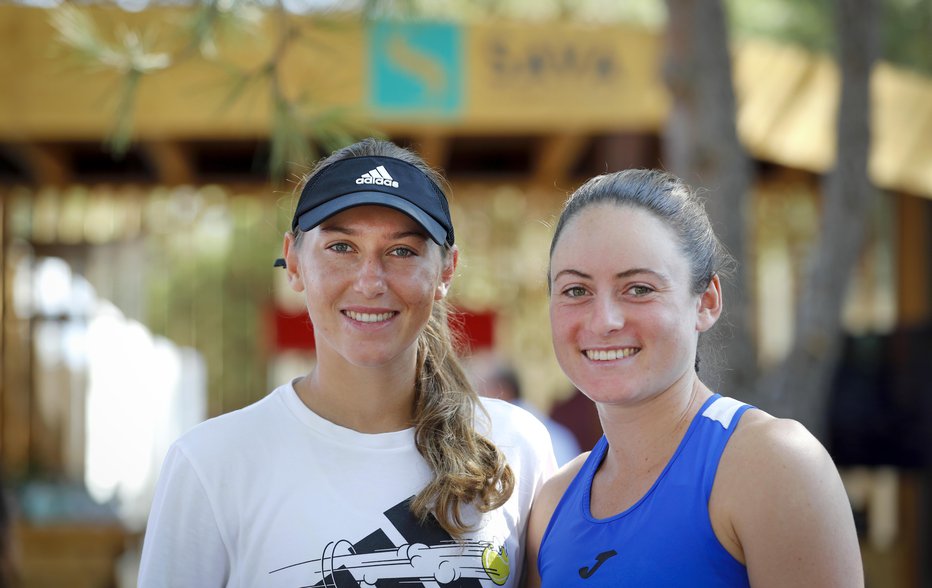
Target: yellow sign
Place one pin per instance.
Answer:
(496, 77)
(564, 76)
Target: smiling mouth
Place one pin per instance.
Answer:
(367, 317)
(611, 354)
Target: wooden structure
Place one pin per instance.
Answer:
(543, 98)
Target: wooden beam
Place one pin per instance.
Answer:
(556, 159)
(172, 162)
(48, 165)
(434, 148)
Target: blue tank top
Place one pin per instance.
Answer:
(666, 537)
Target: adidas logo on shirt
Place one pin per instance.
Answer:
(378, 176)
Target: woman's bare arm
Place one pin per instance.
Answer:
(788, 516)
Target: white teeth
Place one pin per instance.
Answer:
(365, 317)
(610, 354)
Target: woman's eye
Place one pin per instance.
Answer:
(402, 252)
(575, 292)
(340, 247)
(640, 290)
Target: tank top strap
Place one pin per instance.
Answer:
(717, 420)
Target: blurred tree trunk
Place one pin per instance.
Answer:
(805, 377)
(701, 145)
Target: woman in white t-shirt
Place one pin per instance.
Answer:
(381, 464)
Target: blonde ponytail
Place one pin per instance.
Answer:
(468, 468)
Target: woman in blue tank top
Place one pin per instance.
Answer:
(686, 487)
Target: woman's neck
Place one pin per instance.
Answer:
(365, 399)
(642, 439)
(647, 434)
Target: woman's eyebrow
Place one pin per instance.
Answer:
(572, 272)
(406, 234)
(625, 274)
(337, 229)
(642, 270)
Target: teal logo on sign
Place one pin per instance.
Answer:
(416, 68)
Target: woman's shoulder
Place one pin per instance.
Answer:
(524, 439)
(773, 461)
(506, 417)
(229, 430)
(546, 501)
(556, 486)
(760, 438)
(778, 499)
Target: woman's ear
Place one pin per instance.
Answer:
(710, 305)
(290, 253)
(446, 274)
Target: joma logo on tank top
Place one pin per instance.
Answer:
(586, 572)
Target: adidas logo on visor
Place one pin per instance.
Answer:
(378, 176)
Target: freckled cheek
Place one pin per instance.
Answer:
(322, 291)
(319, 275)
(417, 286)
(325, 281)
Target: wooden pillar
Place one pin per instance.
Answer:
(15, 384)
(914, 246)
(3, 310)
(914, 304)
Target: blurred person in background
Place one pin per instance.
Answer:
(381, 465)
(496, 378)
(686, 487)
(579, 416)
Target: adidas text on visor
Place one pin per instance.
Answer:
(371, 179)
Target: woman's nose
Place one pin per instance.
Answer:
(608, 315)
(370, 280)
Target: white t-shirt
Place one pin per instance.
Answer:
(274, 495)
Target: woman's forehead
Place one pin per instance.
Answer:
(617, 238)
(606, 222)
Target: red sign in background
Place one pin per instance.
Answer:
(474, 330)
